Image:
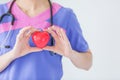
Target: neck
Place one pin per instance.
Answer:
(32, 4)
(33, 7)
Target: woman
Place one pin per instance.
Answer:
(21, 60)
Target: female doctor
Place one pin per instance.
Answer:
(21, 60)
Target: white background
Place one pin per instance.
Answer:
(100, 22)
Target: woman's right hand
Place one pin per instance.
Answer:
(22, 46)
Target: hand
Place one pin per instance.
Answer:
(62, 45)
(22, 46)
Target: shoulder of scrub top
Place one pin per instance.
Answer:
(3, 8)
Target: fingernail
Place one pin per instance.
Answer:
(48, 28)
(44, 29)
(53, 26)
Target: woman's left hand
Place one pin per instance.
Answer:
(62, 45)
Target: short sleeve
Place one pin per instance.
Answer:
(75, 35)
(3, 9)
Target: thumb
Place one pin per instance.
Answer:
(49, 48)
(34, 49)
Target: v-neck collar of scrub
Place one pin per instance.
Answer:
(21, 16)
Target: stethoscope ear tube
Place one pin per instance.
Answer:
(7, 14)
(5, 39)
(12, 22)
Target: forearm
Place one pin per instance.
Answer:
(5, 60)
(81, 60)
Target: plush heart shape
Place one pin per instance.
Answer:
(40, 38)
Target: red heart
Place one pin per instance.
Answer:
(40, 38)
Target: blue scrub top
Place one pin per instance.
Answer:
(41, 65)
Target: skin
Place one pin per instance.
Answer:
(22, 48)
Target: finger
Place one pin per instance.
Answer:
(29, 33)
(63, 34)
(21, 35)
(57, 30)
(54, 35)
(23, 30)
(34, 49)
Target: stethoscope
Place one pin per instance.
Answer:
(9, 13)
